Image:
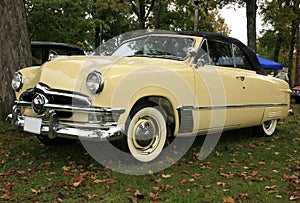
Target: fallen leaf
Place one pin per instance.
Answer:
(154, 197)
(293, 197)
(138, 194)
(166, 176)
(76, 184)
(191, 180)
(92, 196)
(254, 173)
(107, 181)
(228, 200)
(221, 184)
(79, 178)
(34, 191)
(156, 188)
(197, 176)
(206, 186)
(168, 187)
(227, 175)
(242, 197)
(183, 181)
(66, 168)
(110, 181)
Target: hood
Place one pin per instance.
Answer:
(69, 73)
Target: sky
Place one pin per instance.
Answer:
(236, 20)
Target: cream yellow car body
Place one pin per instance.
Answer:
(195, 99)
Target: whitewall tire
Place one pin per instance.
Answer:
(147, 133)
(266, 129)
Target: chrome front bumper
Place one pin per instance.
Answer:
(50, 125)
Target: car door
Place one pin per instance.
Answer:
(220, 92)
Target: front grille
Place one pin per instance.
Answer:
(55, 96)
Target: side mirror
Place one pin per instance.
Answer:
(191, 52)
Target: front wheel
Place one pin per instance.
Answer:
(267, 129)
(147, 133)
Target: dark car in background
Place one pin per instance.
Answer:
(296, 94)
(46, 51)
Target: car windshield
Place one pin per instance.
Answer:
(173, 47)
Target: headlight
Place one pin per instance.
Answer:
(17, 81)
(95, 82)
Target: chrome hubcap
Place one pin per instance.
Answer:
(146, 135)
(268, 125)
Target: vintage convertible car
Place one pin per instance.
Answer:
(151, 87)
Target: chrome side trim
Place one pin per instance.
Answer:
(185, 108)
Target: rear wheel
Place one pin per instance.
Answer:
(146, 133)
(267, 129)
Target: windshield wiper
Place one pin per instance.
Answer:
(168, 56)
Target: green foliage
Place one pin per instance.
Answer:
(60, 21)
(281, 39)
(179, 15)
(266, 46)
(91, 22)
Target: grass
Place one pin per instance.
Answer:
(242, 168)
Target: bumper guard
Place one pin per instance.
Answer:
(52, 127)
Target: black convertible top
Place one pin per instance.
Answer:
(219, 37)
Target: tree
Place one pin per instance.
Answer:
(87, 23)
(60, 21)
(142, 9)
(179, 15)
(251, 11)
(284, 17)
(14, 49)
(108, 25)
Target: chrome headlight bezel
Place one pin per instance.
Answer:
(94, 82)
(17, 81)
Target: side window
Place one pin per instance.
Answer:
(220, 54)
(241, 60)
(202, 56)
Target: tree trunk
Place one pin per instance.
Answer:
(297, 68)
(97, 39)
(277, 47)
(157, 14)
(14, 49)
(292, 48)
(251, 9)
(142, 18)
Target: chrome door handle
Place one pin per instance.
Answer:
(242, 78)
